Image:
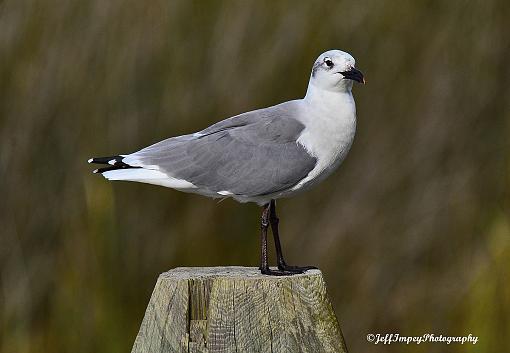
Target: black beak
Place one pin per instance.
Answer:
(354, 74)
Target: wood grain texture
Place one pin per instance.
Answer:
(236, 309)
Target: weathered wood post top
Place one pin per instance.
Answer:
(236, 309)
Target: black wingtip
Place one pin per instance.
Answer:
(115, 162)
(117, 166)
(106, 169)
(106, 160)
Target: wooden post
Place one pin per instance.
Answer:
(236, 309)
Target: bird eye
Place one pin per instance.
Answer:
(328, 62)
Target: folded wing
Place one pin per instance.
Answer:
(252, 154)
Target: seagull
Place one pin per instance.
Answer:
(261, 155)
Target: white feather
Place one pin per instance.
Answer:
(329, 131)
(148, 176)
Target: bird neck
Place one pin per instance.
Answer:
(325, 99)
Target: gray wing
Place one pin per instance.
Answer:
(251, 154)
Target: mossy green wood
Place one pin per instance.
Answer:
(236, 309)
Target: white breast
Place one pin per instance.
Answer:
(328, 136)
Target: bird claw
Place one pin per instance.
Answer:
(270, 272)
(295, 269)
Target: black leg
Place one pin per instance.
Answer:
(282, 265)
(263, 238)
(264, 264)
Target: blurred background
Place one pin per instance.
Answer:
(412, 233)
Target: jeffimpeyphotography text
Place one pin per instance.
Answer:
(389, 338)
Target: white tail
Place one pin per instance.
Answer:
(148, 176)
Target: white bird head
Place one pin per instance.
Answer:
(335, 70)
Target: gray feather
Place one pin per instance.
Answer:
(251, 154)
